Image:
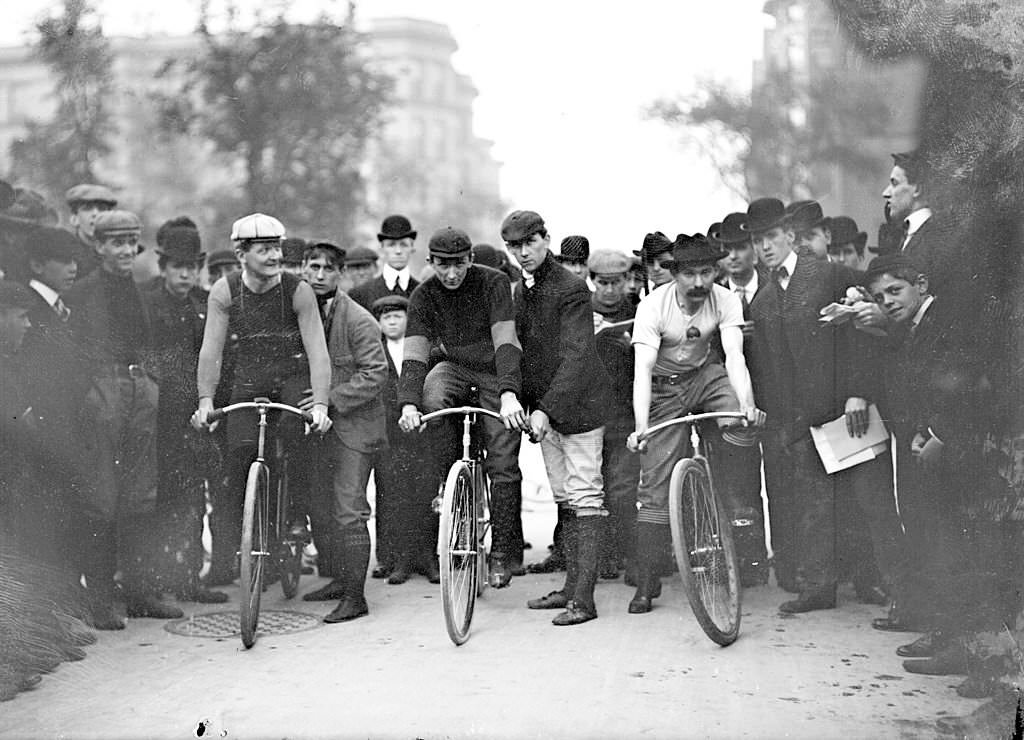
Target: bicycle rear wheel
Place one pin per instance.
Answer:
(460, 554)
(253, 549)
(702, 541)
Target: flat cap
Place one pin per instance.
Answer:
(51, 243)
(329, 246)
(574, 248)
(360, 256)
(889, 263)
(389, 303)
(116, 222)
(293, 249)
(608, 262)
(14, 295)
(449, 242)
(488, 256)
(221, 257)
(90, 193)
(520, 225)
(257, 227)
(396, 227)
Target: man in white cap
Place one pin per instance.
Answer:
(280, 353)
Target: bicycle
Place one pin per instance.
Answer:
(702, 537)
(464, 527)
(265, 536)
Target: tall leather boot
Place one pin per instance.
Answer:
(609, 556)
(97, 542)
(627, 539)
(560, 599)
(556, 560)
(581, 608)
(355, 542)
(650, 542)
(506, 532)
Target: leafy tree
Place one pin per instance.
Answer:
(294, 105)
(66, 150)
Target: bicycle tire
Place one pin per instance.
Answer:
(289, 551)
(252, 550)
(459, 551)
(704, 550)
(483, 529)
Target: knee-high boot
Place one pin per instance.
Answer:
(650, 543)
(560, 599)
(581, 608)
(355, 543)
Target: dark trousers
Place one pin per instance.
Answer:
(783, 514)
(406, 487)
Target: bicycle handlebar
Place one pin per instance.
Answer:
(218, 414)
(458, 410)
(691, 418)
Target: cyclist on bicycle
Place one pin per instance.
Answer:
(467, 310)
(273, 321)
(675, 374)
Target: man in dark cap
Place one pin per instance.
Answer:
(489, 256)
(397, 241)
(467, 309)
(810, 375)
(220, 263)
(656, 255)
(293, 251)
(86, 202)
(573, 254)
(360, 266)
(566, 390)
(847, 246)
(676, 373)
(810, 227)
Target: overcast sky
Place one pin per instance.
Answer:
(562, 87)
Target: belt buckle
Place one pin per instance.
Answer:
(136, 371)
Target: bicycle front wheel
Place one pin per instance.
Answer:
(253, 549)
(702, 541)
(460, 554)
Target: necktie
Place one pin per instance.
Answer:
(906, 234)
(62, 310)
(781, 274)
(528, 279)
(743, 297)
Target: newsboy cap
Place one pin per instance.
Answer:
(449, 242)
(50, 243)
(257, 227)
(90, 193)
(520, 225)
(396, 227)
(574, 248)
(608, 262)
(341, 252)
(488, 256)
(360, 255)
(806, 214)
(387, 303)
(116, 223)
(221, 257)
(764, 214)
(293, 249)
(890, 264)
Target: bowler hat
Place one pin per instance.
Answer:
(450, 242)
(574, 249)
(396, 227)
(257, 227)
(844, 231)
(387, 303)
(293, 249)
(805, 214)
(692, 251)
(14, 295)
(608, 262)
(731, 231)
(488, 256)
(520, 225)
(50, 243)
(360, 255)
(764, 214)
(654, 244)
(713, 231)
(90, 193)
(221, 257)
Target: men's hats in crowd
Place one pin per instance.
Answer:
(15, 295)
(521, 225)
(396, 227)
(654, 244)
(713, 231)
(608, 262)
(90, 193)
(221, 257)
(360, 256)
(890, 263)
(178, 240)
(574, 249)
(694, 251)
(389, 303)
(844, 231)
(117, 223)
(341, 252)
(488, 256)
(50, 243)
(764, 214)
(731, 230)
(26, 207)
(293, 249)
(257, 227)
(804, 215)
(449, 242)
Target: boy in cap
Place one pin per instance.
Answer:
(566, 389)
(467, 309)
(86, 202)
(676, 373)
(360, 266)
(397, 243)
(573, 253)
(110, 328)
(220, 263)
(279, 352)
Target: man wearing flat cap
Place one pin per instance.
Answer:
(360, 266)
(220, 263)
(467, 309)
(293, 252)
(810, 374)
(86, 202)
(676, 373)
(397, 241)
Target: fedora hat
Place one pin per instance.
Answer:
(692, 251)
(764, 214)
(805, 214)
(396, 227)
(844, 231)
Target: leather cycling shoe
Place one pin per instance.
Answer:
(517, 568)
(575, 613)
(922, 647)
(809, 601)
(950, 661)
(330, 592)
(149, 606)
(400, 574)
(554, 600)
(347, 609)
(639, 604)
(551, 564)
(198, 594)
(501, 573)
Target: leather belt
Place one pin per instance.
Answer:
(674, 379)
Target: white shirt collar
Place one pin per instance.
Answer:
(391, 276)
(49, 294)
(749, 289)
(920, 312)
(916, 220)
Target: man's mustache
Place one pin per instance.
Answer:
(697, 292)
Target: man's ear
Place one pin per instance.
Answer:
(828, 235)
(922, 284)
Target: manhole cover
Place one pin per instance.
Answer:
(225, 624)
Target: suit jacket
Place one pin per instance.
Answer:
(358, 372)
(935, 247)
(562, 374)
(806, 370)
(51, 361)
(371, 290)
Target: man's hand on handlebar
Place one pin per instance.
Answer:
(755, 416)
(198, 419)
(512, 413)
(321, 421)
(634, 443)
(540, 425)
(410, 418)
